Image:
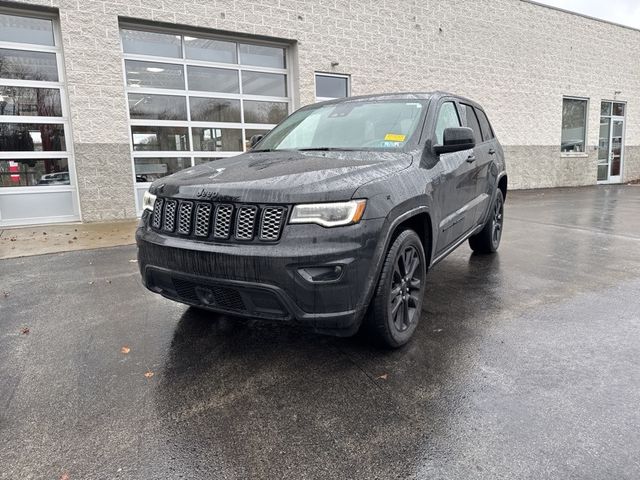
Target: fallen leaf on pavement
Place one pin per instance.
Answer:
(64, 476)
(148, 374)
(25, 330)
(384, 376)
(125, 350)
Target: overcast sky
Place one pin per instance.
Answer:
(626, 12)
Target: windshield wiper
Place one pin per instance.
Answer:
(325, 149)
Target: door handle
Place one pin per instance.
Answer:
(471, 158)
(492, 152)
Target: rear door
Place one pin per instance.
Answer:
(483, 153)
(455, 188)
(487, 167)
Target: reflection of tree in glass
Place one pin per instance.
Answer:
(265, 112)
(43, 102)
(24, 65)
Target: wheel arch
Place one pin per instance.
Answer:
(502, 185)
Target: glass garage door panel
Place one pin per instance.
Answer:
(35, 207)
(37, 183)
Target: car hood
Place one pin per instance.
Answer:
(282, 177)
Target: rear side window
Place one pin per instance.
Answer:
(487, 133)
(472, 121)
(447, 118)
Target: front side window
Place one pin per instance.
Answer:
(574, 125)
(350, 126)
(447, 118)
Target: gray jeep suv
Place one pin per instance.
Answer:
(333, 218)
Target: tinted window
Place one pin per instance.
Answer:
(331, 87)
(487, 133)
(472, 121)
(447, 118)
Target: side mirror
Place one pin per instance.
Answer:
(455, 140)
(254, 140)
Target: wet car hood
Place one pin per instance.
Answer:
(282, 177)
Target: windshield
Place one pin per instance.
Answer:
(348, 126)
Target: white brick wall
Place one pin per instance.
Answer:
(516, 58)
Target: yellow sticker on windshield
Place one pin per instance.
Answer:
(394, 137)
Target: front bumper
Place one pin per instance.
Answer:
(264, 280)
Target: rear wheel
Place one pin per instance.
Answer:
(488, 240)
(397, 305)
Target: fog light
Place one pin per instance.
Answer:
(329, 273)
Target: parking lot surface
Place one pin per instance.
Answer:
(526, 364)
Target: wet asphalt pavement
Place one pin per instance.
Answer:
(526, 364)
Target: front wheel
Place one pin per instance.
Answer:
(488, 240)
(397, 305)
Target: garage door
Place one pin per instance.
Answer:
(195, 98)
(37, 178)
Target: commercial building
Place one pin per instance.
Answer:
(98, 98)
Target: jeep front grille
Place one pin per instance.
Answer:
(169, 218)
(219, 221)
(222, 225)
(271, 223)
(246, 223)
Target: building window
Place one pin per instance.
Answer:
(574, 125)
(330, 86)
(194, 99)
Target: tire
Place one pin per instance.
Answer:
(488, 240)
(396, 308)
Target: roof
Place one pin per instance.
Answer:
(578, 14)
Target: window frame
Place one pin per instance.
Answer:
(64, 119)
(454, 101)
(586, 127)
(197, 156)
(462, 105)
(327, 74)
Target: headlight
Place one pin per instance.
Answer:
(148, 200)
(329, 214)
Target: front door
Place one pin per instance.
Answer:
(611, 142)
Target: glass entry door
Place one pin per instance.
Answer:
(611, 143)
